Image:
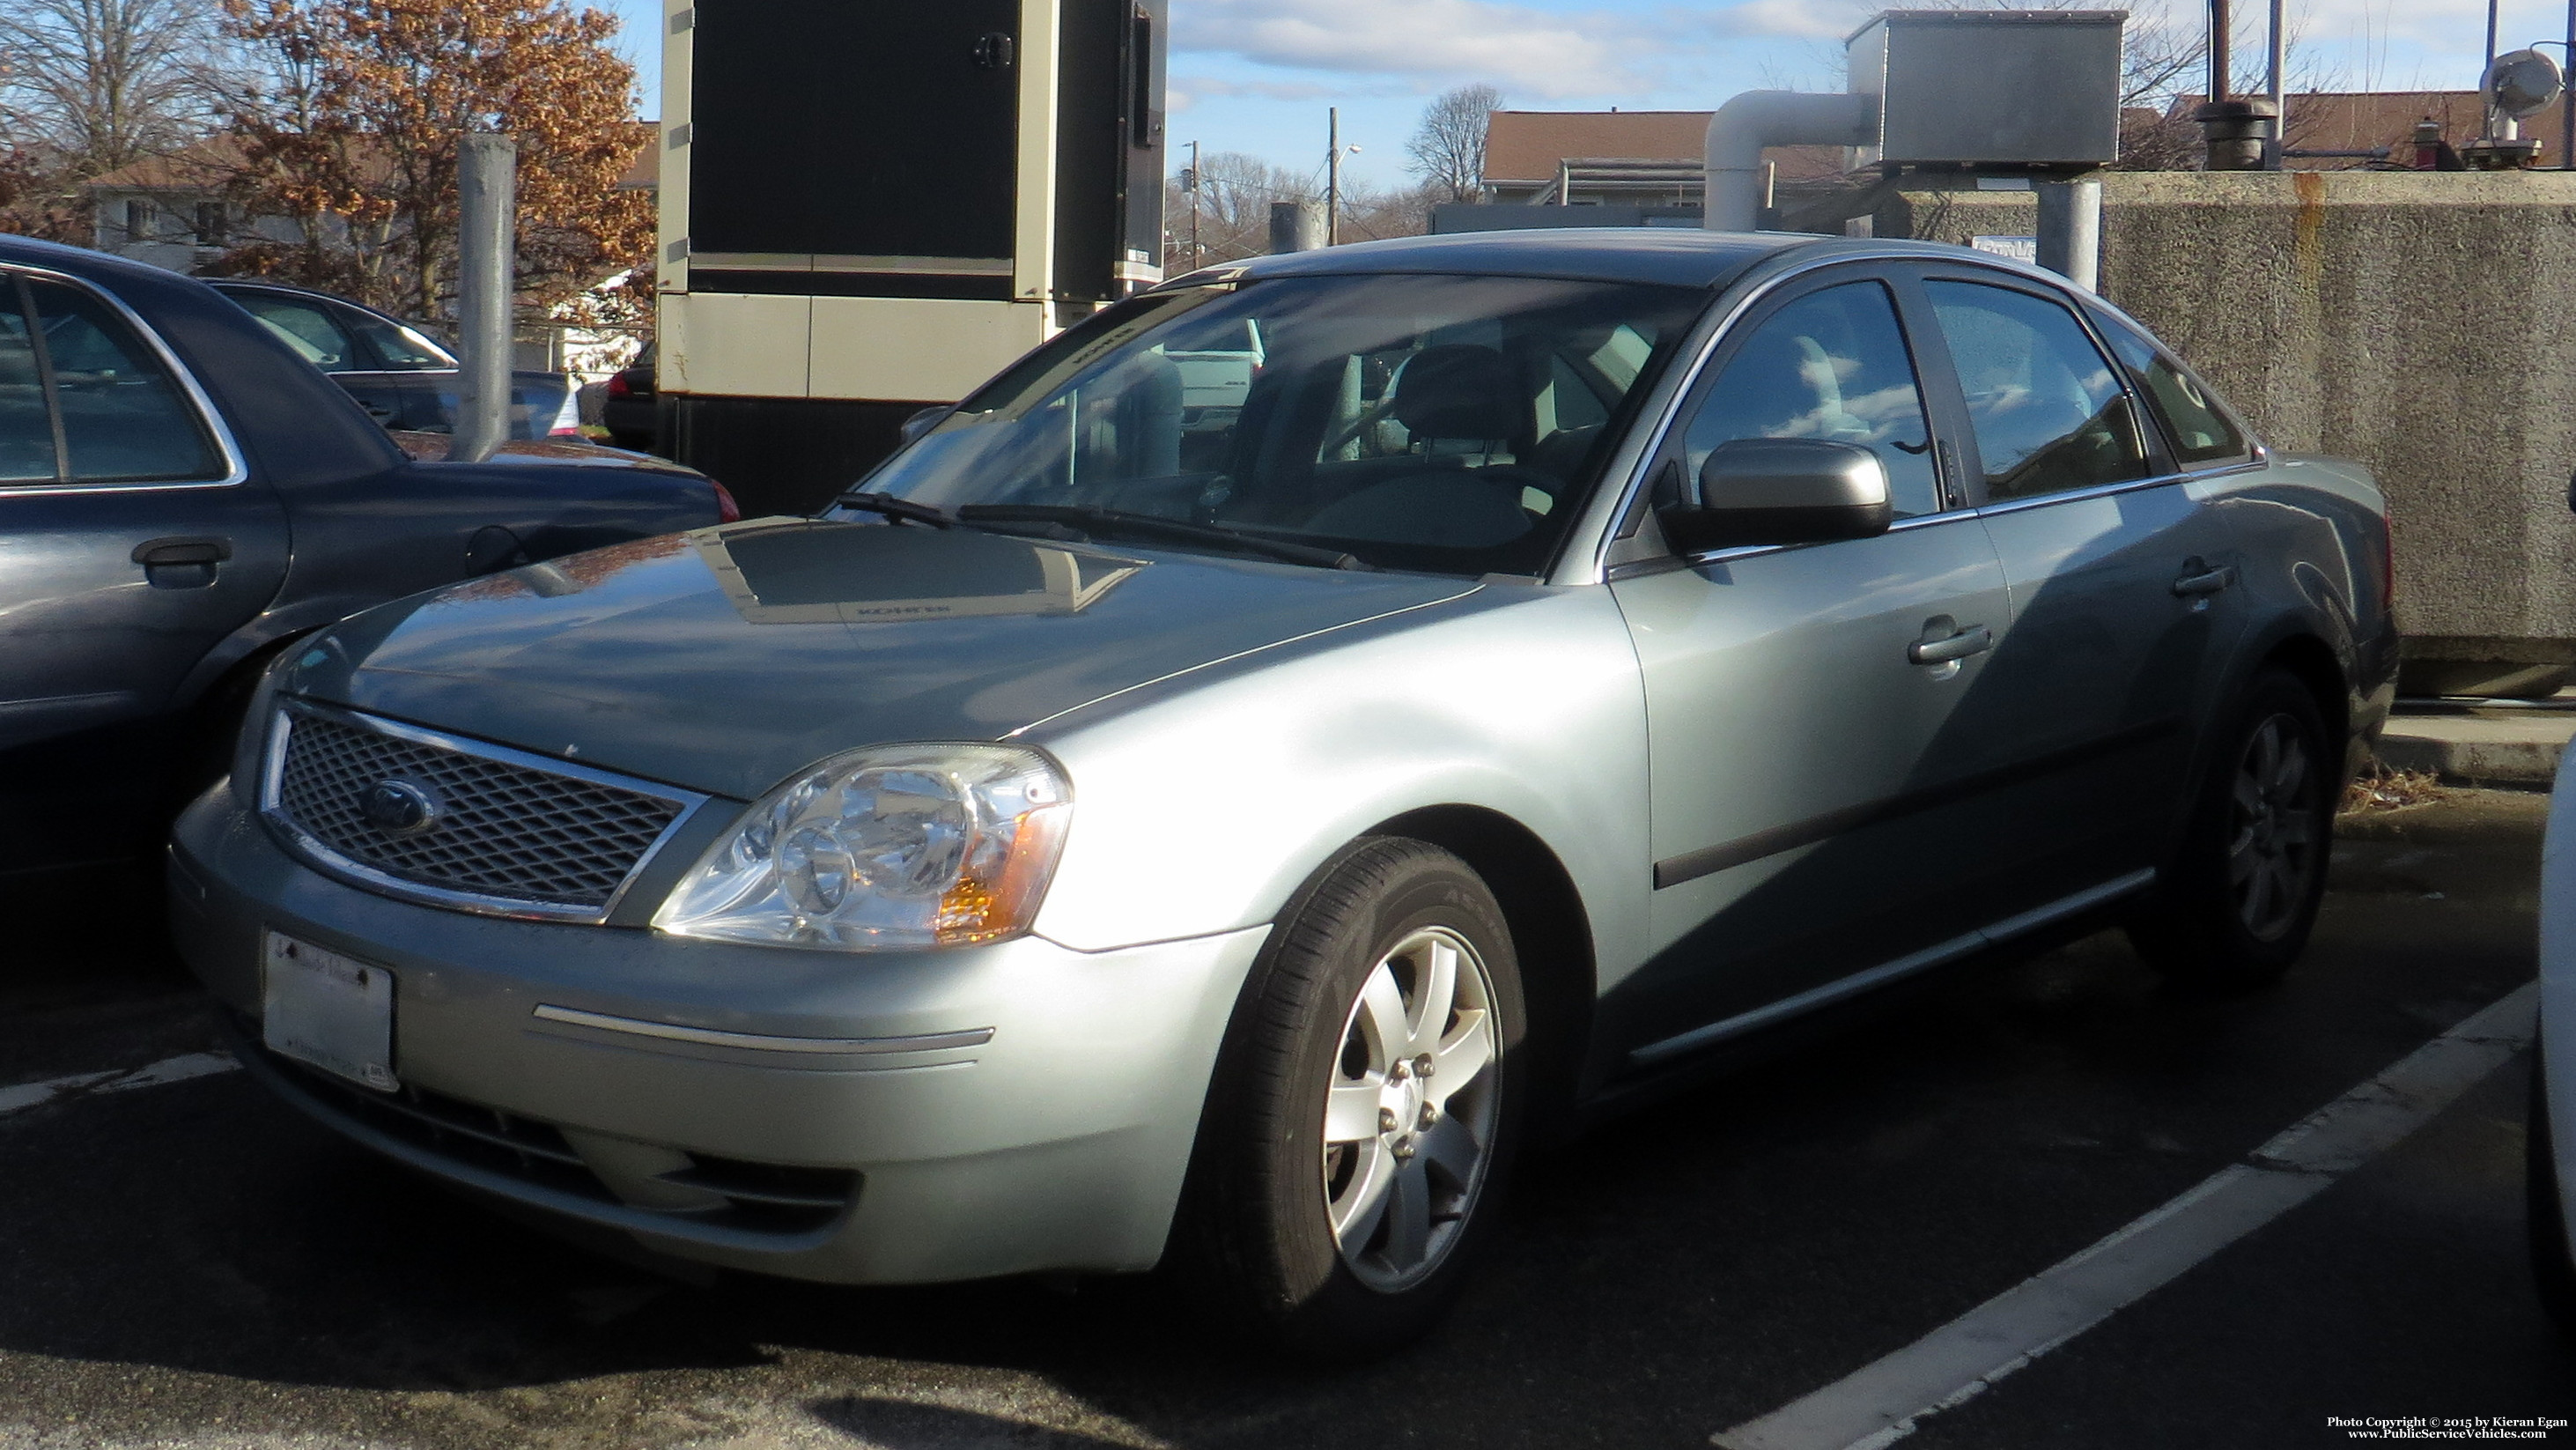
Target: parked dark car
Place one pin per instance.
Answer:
(181, 495)
(396, 371)
(627, 411)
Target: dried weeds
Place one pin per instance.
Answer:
(2379, 788)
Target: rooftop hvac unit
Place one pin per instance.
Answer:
(2025, 88)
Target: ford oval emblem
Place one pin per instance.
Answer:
(401, 807)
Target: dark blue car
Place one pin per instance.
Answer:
(181, 495)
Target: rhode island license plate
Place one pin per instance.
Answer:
(332, 1011)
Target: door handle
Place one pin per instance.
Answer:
(160, 553)
(180, 563)
(2199, 580)
(1940, 649)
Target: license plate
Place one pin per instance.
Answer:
(332, 1011)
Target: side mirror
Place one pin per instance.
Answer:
(1782, 491)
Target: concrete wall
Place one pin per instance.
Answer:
(2420, 322)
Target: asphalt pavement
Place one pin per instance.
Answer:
(185, 1263)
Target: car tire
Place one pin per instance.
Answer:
(2553, 1266)
(1339, 1193)
(2234, 904)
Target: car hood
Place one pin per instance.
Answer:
(726, 659)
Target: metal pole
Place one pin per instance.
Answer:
(2487, 128)
(2219, 34)
(1332, 175)
(2274, 86)
(1198, 255)
(487, 184)
(2070, 231)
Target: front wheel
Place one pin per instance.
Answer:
(1365, 1108)
(2236, 902)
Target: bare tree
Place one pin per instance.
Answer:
(102, 83)
(1448, 147)
(1233, 202)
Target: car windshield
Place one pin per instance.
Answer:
(1450, 424)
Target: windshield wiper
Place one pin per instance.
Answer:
(894, 508)
(1108, 521)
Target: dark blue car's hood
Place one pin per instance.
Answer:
(725, 660)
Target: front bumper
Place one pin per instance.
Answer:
(1059, 1142)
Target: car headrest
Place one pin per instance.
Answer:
(1460, 390)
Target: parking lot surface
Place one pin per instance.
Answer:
(186, 1263)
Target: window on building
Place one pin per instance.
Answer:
(214, 228)
(138, 221)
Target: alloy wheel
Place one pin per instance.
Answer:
(1410, 1110)
(2274, 844)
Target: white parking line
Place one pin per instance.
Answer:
(171, 1069)
(1879, 1404)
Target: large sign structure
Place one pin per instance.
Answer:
(870, 206)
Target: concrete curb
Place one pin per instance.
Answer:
(2519, 748)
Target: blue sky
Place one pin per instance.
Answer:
(1257, 75)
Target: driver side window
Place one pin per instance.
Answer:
(1832, 365)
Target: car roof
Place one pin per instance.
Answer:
(1671, 256)
(77, 261)
(264, 284)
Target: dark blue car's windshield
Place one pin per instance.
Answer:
(1444, 423)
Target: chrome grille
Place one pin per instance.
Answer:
(508, 833)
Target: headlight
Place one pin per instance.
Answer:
(895, 846)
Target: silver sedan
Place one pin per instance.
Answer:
(1224, 788)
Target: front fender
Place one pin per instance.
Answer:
(1201, 804)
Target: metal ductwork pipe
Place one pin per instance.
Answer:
(487, 196)
(1296, 226)
(2070, 231)
(1755, 119)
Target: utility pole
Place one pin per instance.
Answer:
(1333, 168)
(1198, 256)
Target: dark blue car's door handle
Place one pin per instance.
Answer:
(2200, 580)
(181, 563)
(155, 553)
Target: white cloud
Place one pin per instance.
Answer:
(1520, 48)
(1795, 19)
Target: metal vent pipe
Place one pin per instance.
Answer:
(1755, 119)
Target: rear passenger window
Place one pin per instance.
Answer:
(2049, 414)
(123, 417)
(26, 430)
(306, 328)
(2201, 431)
